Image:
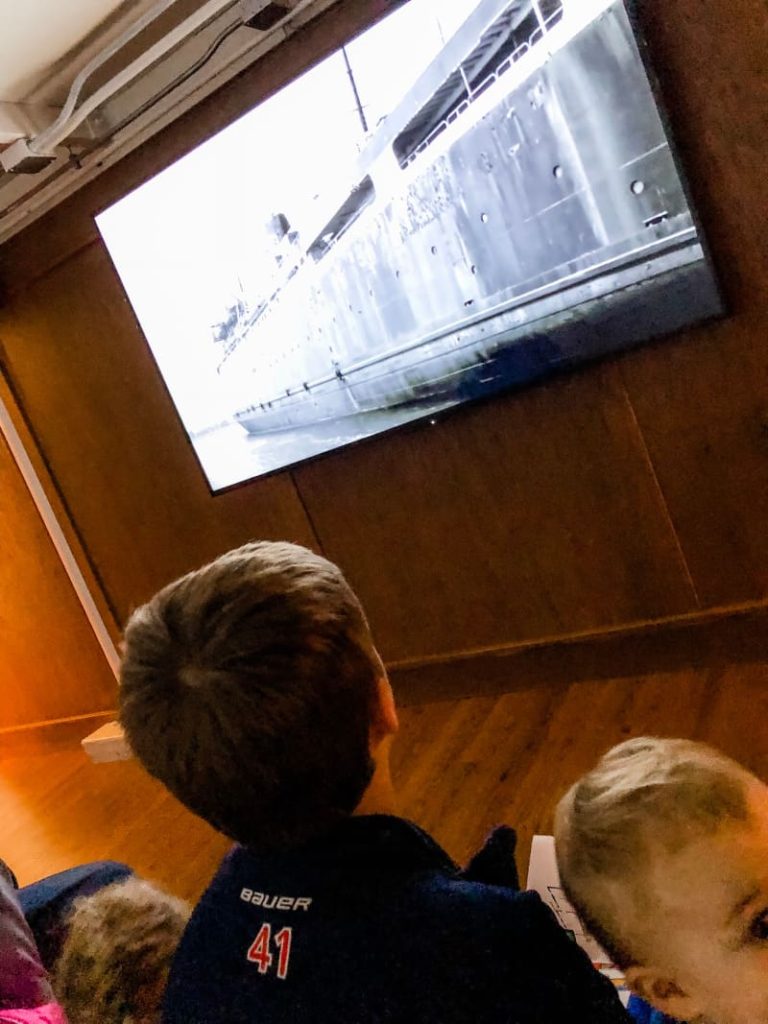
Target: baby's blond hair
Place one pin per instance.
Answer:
(117, 953)
(644, 794)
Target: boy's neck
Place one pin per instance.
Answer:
(379, 797)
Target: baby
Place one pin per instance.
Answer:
(115, 960)
(663, 851)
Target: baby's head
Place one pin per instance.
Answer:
(663, 851)
(116, 957)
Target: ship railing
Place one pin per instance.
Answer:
(506, 65)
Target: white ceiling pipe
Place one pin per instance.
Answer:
(25, 198)
(45, 143)
(20, 120)
(41, 140)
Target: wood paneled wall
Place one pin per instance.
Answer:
(461, 766)
(106, 423)
(50, 663)
(632, 491)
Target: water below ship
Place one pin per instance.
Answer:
(231, 455)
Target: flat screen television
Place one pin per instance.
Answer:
(471, 195)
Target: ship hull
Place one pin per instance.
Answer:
(552, 227)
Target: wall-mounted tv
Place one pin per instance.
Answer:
(471, 195)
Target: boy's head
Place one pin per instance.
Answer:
(114, 965)
(663, 850)
(252, 689)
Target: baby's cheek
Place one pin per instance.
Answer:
(747, 992)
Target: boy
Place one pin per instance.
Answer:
(252, 689)
(663, 851)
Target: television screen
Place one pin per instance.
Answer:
(471, 195)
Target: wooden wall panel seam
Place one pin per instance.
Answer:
(10, 292)
(116, 446)
(60, 504)
(52, 723)
(52, 664)
(315, 533)
(519, 518)
(643, 446)
(703, 617)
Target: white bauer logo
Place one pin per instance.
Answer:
(268, 902)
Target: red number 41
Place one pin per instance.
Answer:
(259, 952)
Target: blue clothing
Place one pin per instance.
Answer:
(642, 1013)
(47, 903)
(35, 917)
(373, 923)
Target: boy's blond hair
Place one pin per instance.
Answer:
(118, 950)
(643, 794)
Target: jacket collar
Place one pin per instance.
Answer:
(365, 843)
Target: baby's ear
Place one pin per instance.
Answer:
(662, 992)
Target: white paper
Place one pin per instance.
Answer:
(544, 878)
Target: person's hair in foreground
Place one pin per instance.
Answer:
(663, 851)
(248, 688)
(114, 964)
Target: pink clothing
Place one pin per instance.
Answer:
(23, 981)
(52, 1013)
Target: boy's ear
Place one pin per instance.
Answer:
(386, 722)
(662, 992)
